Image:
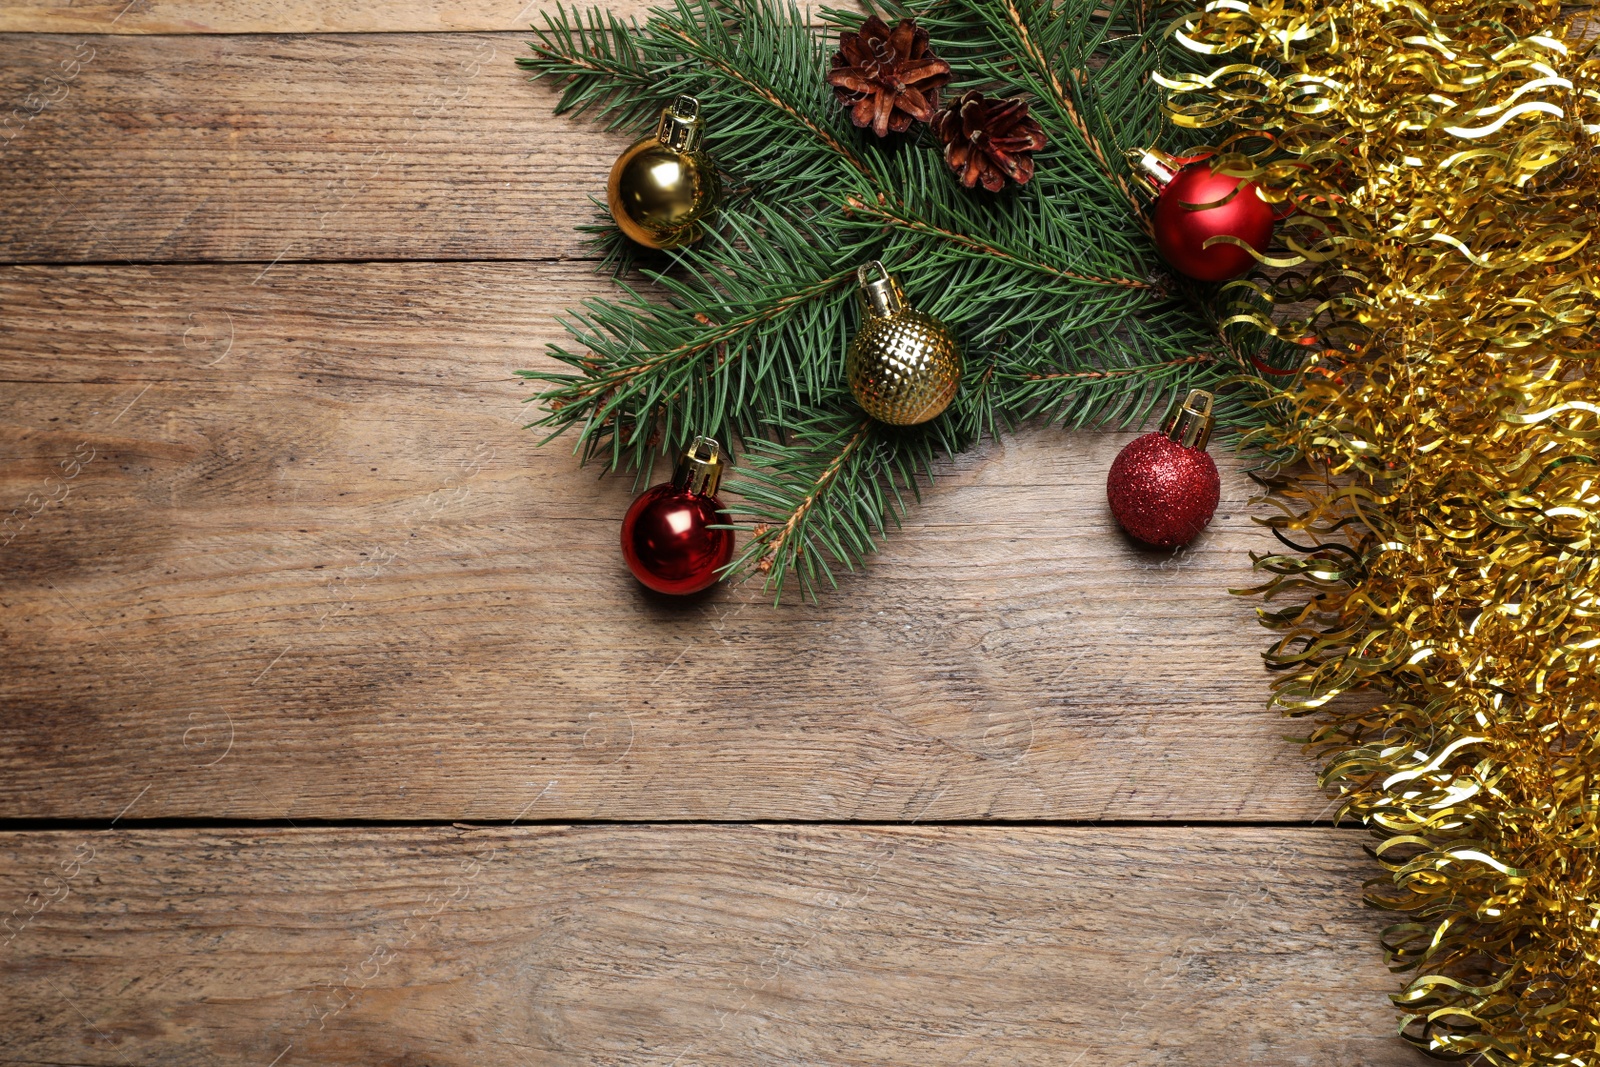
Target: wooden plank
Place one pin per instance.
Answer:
(296, 557)
(387, 146)
(294, 16)
(276, 16)
(706, 945)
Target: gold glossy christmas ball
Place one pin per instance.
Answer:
(662, 187)
(904, 367)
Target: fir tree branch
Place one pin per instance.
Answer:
(889, 214)
(628, 400)
(733, 346)
(615, 383)
(827, 489)
(765, 94)
(1059, 95)
(773, 546)
(1065, 102)
(1052, 288)
(599, 66)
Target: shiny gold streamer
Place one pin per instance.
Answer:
(1439, 161)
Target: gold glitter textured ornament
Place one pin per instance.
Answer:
(1440, 160)
(662, 187)
(904, 367)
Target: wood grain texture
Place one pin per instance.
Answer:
(276, 16)
(311, 566)
(274, 545)
(264, 148)
(706, 945)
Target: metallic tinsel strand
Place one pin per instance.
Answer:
(1440, 161)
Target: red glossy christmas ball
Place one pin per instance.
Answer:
(1162, 492)
(668, 542)
(1181, 232)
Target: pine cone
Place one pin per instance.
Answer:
(988, 141)
(887, 77)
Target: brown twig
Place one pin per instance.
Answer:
(622, 376)
(776, 101)
(888, 215)
(1199, 357)
(1063, 100)
(862, 430)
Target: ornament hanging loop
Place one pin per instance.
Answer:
(680, 128)
(881, 294)
(700, 469)
(1188, 422)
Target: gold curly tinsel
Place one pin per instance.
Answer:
(1439, 164)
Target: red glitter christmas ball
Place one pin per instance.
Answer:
(1181, 232)
(1161, 492)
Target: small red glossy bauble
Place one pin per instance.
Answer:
(668, 541)
(1181, 233)
(1161, 492)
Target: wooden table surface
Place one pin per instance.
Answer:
(335, 731)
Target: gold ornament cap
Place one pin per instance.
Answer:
(880, 292)
(1153, 168)
(1188, 422)
(681, 128)
(700, 469)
